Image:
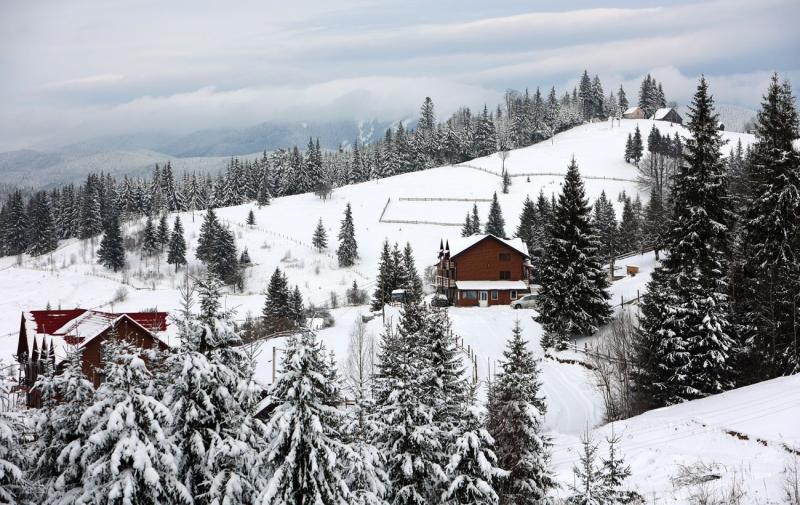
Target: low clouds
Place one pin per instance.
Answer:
(84, 68)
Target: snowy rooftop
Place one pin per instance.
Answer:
(662, 113)
(631, 110)
(56, 329)
(461, 244)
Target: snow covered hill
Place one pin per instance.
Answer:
(422, 208)
(745, 437)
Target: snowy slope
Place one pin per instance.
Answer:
(282, 238)
(747, 434)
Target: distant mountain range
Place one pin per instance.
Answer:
(46, 166)
(204, 150)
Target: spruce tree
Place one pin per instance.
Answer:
(176, 254)
(628, 149)
(405, 411)
(527, 222)
(472, 471)
(348, 248)
(589, 488)
(384, 282)
(111, 252)
(320, 238)
(12, 479)
(476, 220)
(516, 414)
(630, 231)
(413, 286)
(495, 224)
(150, 244)
(42, 235)
(769, 269)
(209, 230)
(685, 345)
(466, 230)
(304, 449)
(276, 311)
(614, 474)
(162, 234)
(131, 461)
(605, 221)
(573, 298)
(211, 397)
(637, 147)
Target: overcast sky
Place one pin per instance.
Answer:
(81, 68)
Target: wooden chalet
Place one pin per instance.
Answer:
(668, 114)
(483, 270)
(46, 336)
(633, 113)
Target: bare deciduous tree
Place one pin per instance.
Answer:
(360, 359)
(612, 362)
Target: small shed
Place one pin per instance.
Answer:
(398, 296)
(633, 113)
(668, 114)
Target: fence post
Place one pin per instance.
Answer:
(274, 354)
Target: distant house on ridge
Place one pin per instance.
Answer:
(633, 113)
(668, 114)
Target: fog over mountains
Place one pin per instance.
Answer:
(47, 165)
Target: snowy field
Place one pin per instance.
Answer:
(282, 236)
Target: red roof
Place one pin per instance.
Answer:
(49, 321)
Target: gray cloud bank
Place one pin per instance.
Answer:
(85, 68)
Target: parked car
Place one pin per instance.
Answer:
(439, 301)
(526, 302)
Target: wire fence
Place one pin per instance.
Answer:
(544, 174)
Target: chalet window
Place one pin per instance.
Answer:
(505, 257)
(513, 294)
(505, 275)
(469, 295)
(494, 295)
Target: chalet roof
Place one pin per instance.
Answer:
(662, 112)
(491, 285)
(57, 329)
(631, 110)
(461, 244)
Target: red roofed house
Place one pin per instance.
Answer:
(49, 334)
(483, 270)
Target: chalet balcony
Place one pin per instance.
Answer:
(444, 282)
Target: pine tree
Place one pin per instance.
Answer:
(348, 248)
(211, 396)
(527, 222)
(605, 222)
(614, 474)
(251, 218)
(384, 282)
(516, 414)
(276, 311)
(405, 411)
(130, 461)
(176, 254)
(209, 230)
(629, 149)
(472, 471)
(162, 234)
(573, 297)
(12, 479)
(111, 253)
(622, 99)
(42, 235)
(630, 230)
(637, 148)
(769, 268)
(305, 448)
(150, 244)
(65, 396)
(590, 488)
(495, 224)
(297, 312)
(413, 285)
(685, 344)
(320, 238)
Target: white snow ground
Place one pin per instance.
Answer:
(282, 236)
